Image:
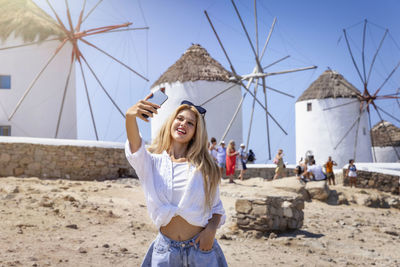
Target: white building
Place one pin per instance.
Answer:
(197, 77)
(386, 142)
(320, 132)
(23, 22)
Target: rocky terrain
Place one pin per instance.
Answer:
(66, 223)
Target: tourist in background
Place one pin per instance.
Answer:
(315, 171)
(242, 161)
(251, 157)
(280, 166)
(181, 185)
(213, 148)
(351, 173)
(231, 154)
(221, 156)
(329, 170)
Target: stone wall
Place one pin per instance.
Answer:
(380, 181)
(266, 171)
(68, 159)
(276, 211)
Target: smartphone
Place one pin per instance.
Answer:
(158, 97)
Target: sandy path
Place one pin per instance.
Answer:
(63, 223)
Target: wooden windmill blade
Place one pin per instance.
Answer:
(256, 74)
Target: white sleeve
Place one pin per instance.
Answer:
(141, 161)
(218, 208)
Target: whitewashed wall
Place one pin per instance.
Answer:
(386, 154)
(320, 131)
(38, 114)
(219, 111)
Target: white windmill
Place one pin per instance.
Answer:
(41, 54)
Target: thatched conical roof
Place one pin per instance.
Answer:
(26, 20)
(195, 64)
(380, 134)
(329, 85)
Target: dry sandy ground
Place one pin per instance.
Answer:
(66, 223)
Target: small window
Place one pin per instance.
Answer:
(5, 82)
(309, 106)
(5, 130)
(364, 131)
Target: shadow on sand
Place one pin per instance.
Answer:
(302, 233)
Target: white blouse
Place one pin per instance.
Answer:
(155, 175)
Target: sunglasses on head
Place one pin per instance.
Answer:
(200, 109)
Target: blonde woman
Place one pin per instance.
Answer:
(181, 185)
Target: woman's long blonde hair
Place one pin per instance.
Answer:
(196, 154)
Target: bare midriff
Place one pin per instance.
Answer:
(179, 229)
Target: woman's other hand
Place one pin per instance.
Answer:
(205, 240)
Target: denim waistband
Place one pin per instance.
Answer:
(186, 243)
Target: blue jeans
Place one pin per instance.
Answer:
(167, 252)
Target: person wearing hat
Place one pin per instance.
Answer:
(242, 161)
(221, 156)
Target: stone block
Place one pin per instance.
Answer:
(4, 158)
(259, 210)
(318, 190)
(243, 206)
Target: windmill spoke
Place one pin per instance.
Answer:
(65, 93)
(79, 24)
(362, 54)
(28, 44)
(120, 62)
(351, 127)
(247, 35)
(88, 99)
(387, 132)
(387, 78)
(256, 25)
(289, 71)
(129, 29)
(93, 8)
(266, 117)
(37, 77)
(220, 44)
(278, 91)
(251, 116)
(269, 37)
(376, 53)
(102, 87)
(341, 105)
(273, 63)
(371, 136)
(352, 57)
(69, 16)
(220, 93)
(61, 24)
(387, 113)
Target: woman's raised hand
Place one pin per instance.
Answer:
(143, 107)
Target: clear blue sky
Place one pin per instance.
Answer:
(309, 31)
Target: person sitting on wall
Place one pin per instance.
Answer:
(315, 171)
